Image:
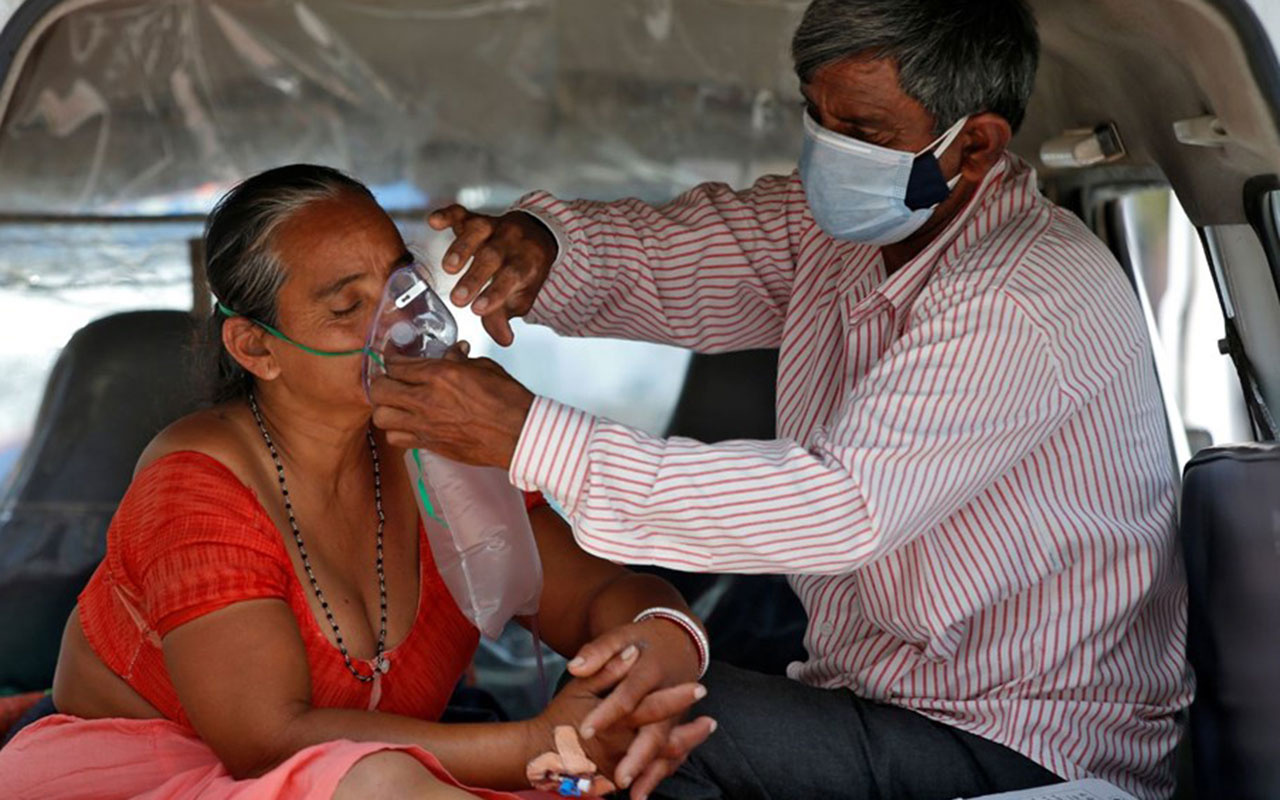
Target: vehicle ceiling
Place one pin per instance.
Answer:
(1145, 64)
(125, 107)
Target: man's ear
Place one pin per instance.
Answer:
(246, 342)
(982, 141)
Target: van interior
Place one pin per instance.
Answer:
(122, 121)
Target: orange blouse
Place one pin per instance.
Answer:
(189, 538)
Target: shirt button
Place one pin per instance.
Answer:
(826, 628)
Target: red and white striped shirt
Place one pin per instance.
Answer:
(972, 490)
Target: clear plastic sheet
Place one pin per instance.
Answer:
(55, 278)
(153, 107)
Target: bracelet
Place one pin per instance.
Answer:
(690, 627)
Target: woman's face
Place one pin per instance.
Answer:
(336, 254)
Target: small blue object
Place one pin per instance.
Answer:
(569, 787)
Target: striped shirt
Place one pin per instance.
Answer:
(972, 487)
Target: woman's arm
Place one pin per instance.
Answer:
(584, 596)
(241, 674)
(85, 687)
(587, 612)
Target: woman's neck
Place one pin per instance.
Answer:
(327, 444)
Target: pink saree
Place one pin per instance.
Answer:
(113, 759)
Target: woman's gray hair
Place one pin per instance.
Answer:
(954, 57)
(244, 270)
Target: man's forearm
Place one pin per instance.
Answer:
(710, 271)
(731, 507)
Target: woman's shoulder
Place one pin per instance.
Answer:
(203, 463)
(194, 482)
(218, 434)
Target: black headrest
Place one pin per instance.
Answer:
(1231, 541)
(118, 381)
(115, 385)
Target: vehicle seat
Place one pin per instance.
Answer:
(1231, 541)
(119, 380)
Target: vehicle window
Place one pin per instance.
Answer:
(1167, 255)
(1270, 236)
(57, 277)
(630, 382)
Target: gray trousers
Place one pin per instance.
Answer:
(781, 740)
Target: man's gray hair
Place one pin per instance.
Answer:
(954, 57)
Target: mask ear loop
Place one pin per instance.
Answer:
(280, 335)
(944, 141)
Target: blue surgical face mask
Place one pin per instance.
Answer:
(861, 192)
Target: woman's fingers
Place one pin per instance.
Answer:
(596, 653)
(680, 741)
(626, 697)
(647, 745)
(657, 772)
(684, 738)
(661, 705)
(615, 670)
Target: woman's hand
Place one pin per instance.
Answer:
(655, 662)
(643, 743)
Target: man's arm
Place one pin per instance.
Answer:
(712, 270)
(960, 399)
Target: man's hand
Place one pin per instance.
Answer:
(512, 253)
(471, 411)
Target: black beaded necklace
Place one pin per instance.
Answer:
(381, 664)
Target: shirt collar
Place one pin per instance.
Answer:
(902, 287)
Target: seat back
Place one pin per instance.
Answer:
(1231, 541)
(118, 381)
(755, 621)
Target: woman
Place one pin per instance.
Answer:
(268, 620)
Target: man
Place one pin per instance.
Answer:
(972, 488)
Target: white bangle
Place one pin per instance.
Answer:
(700, 642)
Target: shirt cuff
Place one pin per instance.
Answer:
(556, 296)
(551, 455)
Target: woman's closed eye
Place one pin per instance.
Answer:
(342, 312)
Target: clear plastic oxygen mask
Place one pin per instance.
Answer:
(411, 322)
